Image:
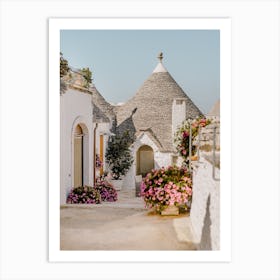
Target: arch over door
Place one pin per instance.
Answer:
(78, 157)
(145, 160)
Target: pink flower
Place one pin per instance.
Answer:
(185, 134)
(189, 191)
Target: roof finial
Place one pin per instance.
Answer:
(160, 57)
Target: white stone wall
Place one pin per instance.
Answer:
(161, 159)
(178, 113)
(75, 108)
(207, 135)
(205, 209)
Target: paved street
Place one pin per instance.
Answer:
(122, 225)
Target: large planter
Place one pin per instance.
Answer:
(118, 184)
(171, 210)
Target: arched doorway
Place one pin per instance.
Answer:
(145, 160)
(78, 157)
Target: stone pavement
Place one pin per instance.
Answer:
(122, 225)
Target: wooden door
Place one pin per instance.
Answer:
(145, 160)
(78, 157)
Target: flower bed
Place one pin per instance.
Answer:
(106, 190)
(166, 187)
(84, 195)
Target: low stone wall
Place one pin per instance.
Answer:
(207, 136)
(205, 209)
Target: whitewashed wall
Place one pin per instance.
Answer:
(75, 108)
(178, 113)
(205, 210)
(161, 159)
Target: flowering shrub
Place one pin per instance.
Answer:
(84, 194)
(183, 134)
(167, 186)
(98, 162)
(106, 190)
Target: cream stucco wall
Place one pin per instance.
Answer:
(75, 108)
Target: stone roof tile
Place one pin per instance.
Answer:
(154, 107)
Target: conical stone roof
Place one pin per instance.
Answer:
(215, 110)
(98, 100)
(151, 107)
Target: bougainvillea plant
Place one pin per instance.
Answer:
(84, 195)
(106, 190)
(182, 136)
(167, 186)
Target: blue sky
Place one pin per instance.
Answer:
(121, 60)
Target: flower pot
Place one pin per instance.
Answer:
(171, 210)
(117, 184)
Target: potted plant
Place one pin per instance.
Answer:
(118, 156)
(167, 189)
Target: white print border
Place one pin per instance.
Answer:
(222, 24)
